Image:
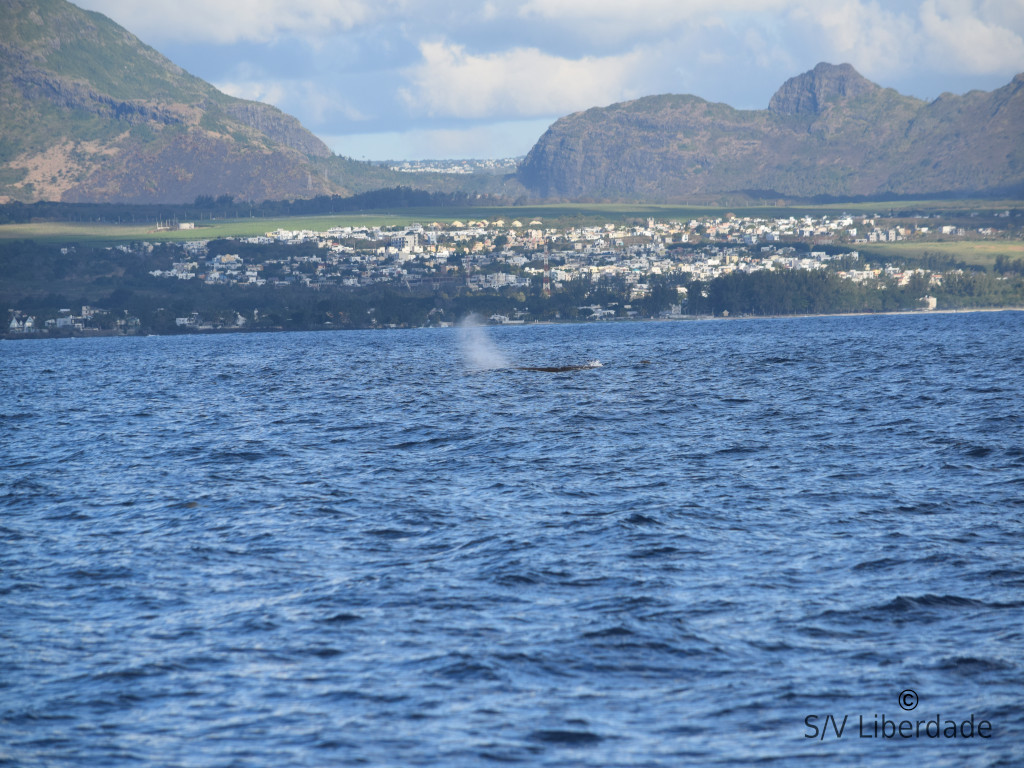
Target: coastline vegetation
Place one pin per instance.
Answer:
(54, 267)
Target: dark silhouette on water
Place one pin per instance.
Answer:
(557, 368)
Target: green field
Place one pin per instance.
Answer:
(549, 215)
(64, 232)
(982, 253)
(559, 216)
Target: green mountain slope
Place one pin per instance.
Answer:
(88, 113)
(826, 132)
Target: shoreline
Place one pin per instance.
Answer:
(905, 312)
(46, 335)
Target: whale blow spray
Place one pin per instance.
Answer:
(478, 351)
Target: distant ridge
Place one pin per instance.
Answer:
(88, 113)
(827, 132)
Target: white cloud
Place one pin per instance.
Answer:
(1006, 13)
(613, 25)
(267, 91)
(905, 40)
(650, 14)
(521, 81)
(979, 36)
(767, 54)
(961, 35)
(231, 21)
(307, 97)
(874, 39)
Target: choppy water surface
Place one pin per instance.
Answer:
(395, 548)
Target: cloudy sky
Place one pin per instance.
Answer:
(419, 79)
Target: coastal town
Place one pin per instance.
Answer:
(516, 258)
(484, 255)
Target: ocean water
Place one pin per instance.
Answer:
(734, 542)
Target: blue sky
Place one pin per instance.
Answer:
(420, 79)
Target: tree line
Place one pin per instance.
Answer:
(41, 279)
(227, 207)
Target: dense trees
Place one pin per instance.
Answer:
(792, 292)
(42, 279)
(226, 207)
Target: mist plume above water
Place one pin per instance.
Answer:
(478, 351)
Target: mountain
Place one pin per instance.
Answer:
(88, 113)
(827, 132)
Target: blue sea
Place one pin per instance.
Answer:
(732, 543)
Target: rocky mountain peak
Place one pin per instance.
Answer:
(828, 132)
(809, 93)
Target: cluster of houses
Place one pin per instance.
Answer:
(89, 319)
(513, 256)
(503, 166)
(495, 255)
